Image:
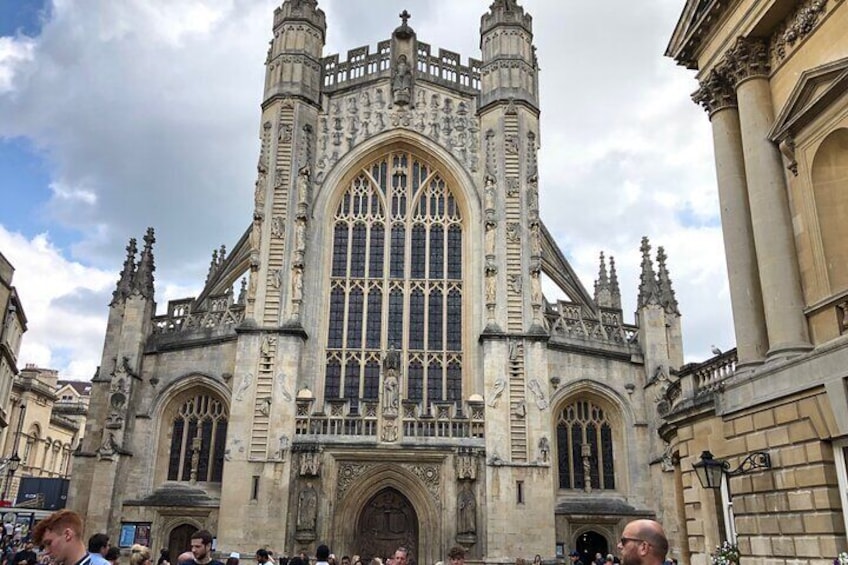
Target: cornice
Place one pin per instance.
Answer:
(696, 22)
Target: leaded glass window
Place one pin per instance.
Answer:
(396, 281)
(199, 428)
(584, 442)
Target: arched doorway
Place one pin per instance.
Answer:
(179, 540)
(590, 543)
(386, 522)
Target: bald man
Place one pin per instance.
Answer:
(643, 542)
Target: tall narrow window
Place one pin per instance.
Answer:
(584, 441)
(396, 282)
(198, 437)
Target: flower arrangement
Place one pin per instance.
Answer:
(728, 554)
(841, 559)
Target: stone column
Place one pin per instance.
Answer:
(717, 96)
(767, 196)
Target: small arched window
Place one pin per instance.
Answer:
(585, 447)
(198, 437)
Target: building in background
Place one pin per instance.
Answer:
(47, 422)
(387, 370)
(774, 82)
(13, 324)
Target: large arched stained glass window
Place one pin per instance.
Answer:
(396, 282)
(584, 447)
(198, 437)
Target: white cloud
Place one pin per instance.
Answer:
(65, 303)
(158, 116)
(14, 51)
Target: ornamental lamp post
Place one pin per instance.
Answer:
(13, 464)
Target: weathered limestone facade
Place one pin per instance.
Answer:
(13, 324)
(388, 371)
(773, 81)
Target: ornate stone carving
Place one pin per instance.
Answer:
(466, 512)
(278, 226)
(246, 381)
(512, 187)
(497, 390)
(515, 283)
(296, 292)
(389, 431)
(466, 465)
(402, 81)
(532, 159)
(787, 149)
(748, 58)
(716, 92)
(284, 391)
(310, 463)
(108, 447)
(538, 394)
(348, 473)
(796, 27)
(513, 232)
(544, 449)
(307, 509)
(430, 476)
(354, 118)
(282, 447)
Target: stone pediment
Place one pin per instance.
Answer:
(815, 91)
(695, 23)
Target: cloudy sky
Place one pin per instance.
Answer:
(118, 115)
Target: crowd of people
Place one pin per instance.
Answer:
(60, 537)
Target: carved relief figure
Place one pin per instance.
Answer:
(466, 512)
(246, 381)
(402, 81)
(390, 394)
(515, 283)
(536, 389)
(307, 508)
(497, 391)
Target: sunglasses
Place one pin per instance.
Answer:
(623, 541)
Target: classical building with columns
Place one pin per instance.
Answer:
(374, 363)
(773, 79)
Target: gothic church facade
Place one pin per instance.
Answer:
(374, 362)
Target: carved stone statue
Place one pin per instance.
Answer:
(246, 381)
(466, 512)
(307, 508)
(402, 82)
(391, 362)
(390, 394)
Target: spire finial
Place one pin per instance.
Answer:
(615, 290)
(143, 281)
(602, 288)
(648, 291)
(667, 298)
(124, 286)
(404, 17)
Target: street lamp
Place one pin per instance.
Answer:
(713, 474)
(710, 471)
(12, 466)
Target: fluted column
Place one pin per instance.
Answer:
(767, 196)
(717, 96)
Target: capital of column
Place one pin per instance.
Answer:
(748, 58)
(716, 92)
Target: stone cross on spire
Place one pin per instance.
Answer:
(404, 16)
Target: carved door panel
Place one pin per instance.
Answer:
(179, 540)
(387, 521)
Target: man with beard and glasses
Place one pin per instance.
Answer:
(643, 542)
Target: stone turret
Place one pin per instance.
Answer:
(510, 68)
(293, 66)
(104, 456)
(658, 316)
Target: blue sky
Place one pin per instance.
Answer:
(115, 116)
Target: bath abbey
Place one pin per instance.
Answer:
(374, 363)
